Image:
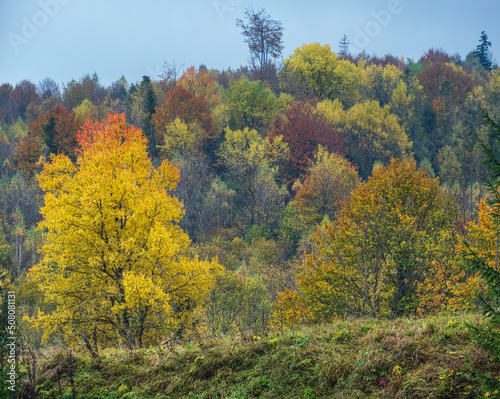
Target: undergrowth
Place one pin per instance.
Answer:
(431, 357)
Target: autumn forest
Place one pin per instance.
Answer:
(206, 203)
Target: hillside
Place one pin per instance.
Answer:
(431, 357)
(303, 188)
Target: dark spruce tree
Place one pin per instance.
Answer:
(482, 51)
(150, 101)
(50, 132)
(488, 336)
(344, 47)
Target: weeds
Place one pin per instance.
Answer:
(421, 358)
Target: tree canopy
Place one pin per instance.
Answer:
(115, 262)
(371, 259)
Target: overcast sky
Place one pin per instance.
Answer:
(66, 39)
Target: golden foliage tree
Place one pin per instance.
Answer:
(370, 132)
(317, 69)
(380, 82)
(251, 162)
(115, 263)
(371, 260)
(447, 286)
(330, 180)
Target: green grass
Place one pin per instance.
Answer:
(431, 357)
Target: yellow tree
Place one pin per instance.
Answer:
(181, 138)
(371, 260)
(251, 162)
(330, 179)
(370, 133)
(447, 285)
(316, 68)
(380, 82)
(115, 263)
(483, 240)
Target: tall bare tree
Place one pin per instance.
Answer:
(263, 35)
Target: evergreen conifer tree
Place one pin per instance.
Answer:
(488, 337)
(481, 51)
(344, 47)
(150, 102)
(50, 131)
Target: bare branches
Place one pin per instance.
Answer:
(263, 35)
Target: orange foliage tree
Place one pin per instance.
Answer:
(27, 154)
(202, 85)
(58, 129)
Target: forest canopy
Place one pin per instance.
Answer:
(204, 202)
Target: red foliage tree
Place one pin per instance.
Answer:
(67, 125)
(201, 84)
(443, 80)
(387, 59)
(304, 129)
(181, 103)
(438, 56)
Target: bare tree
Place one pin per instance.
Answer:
(263, 35)
(171, 72)
(47, 88)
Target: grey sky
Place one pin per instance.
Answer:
(65, 39)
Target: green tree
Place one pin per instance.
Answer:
(370, 133)
(371, 260)
(314, 65)
(344, 47)
(237, 300)
(450, 168)
(50, 133)
(482, 51)
(316, 68)
(380, 82)
(486, 265)
(251, 105)
(149, 105)
(86, 110)
(251, 164)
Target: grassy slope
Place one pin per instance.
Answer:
(424, 358)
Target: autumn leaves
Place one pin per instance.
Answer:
(115, 261)
(315, 175)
